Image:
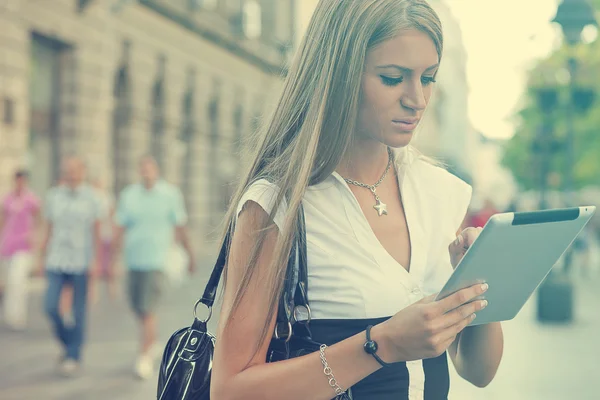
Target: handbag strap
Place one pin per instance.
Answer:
(294, 293)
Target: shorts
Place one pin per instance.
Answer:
(145, 289)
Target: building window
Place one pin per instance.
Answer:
(238, 126)
(251, 19)
(157, 145)
(214, 180)
(121, 122)
(188, 134)
(238, 135)
(198, 4)
(48, 73)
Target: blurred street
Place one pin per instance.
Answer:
(540, 362)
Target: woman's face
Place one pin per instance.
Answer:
(396, 88)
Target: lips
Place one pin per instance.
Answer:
(407, 121)
(406, 125)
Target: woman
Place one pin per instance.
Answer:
(379, 222)
(19, 217)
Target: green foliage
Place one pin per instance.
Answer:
(519, 156)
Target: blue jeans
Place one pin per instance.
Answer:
(70, 336)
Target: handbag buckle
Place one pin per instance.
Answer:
(196, 312)
(281, 336)
(300, 311)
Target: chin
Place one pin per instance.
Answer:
(398, 140)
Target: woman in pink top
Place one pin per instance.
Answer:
(18, 217)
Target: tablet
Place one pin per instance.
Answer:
(513, 254)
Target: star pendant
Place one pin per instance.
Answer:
(381, 208)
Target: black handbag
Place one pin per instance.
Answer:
(186, 364)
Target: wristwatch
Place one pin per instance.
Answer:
(371, 348)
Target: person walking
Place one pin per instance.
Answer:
(19, 217)
(69, 255)
(150, 216)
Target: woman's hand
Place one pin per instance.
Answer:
(463, 241)
(427, 328)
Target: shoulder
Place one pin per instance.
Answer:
(439, 181)
(445, 189)
(262, 188)
(90, 192)
(129, 190)
(54, 192)
(264, 194)
(33, 199)
(168, 191)
(169, 188)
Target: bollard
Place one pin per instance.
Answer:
(555, 299)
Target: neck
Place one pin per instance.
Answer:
(365, 162)
(19, 191)
(73, 185)
(149, 184)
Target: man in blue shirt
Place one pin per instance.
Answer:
(150, 215)
(70, 253)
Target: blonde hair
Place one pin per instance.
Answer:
(312, 125)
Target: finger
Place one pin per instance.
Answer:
(459, 241)
(461, 297)
(463, 312)
(449, 334)
(470, 235)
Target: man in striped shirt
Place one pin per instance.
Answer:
(69, 250)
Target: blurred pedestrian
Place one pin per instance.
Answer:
(148, 215)
(481, 217)
(107, 202)
(69, 256)
(18, 220)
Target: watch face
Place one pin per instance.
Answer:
(371, 347)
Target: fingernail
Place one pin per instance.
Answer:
(484, 287)
(473, 316)
(484, 304)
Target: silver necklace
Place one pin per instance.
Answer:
(379, 206)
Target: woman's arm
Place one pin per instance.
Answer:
(236, 373)
(476, 353)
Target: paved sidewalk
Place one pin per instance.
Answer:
(540, 362)
(547, 362)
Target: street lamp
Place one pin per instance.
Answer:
(573, 16)
(555, 296)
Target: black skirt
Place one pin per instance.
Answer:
(387, 383)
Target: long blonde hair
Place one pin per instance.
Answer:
(311, 127)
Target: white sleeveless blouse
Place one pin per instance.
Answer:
(350, 274)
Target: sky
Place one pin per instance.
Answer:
(503, 39)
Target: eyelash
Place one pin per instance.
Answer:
(386, 80)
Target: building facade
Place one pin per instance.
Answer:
(447, 132)
(184, 80)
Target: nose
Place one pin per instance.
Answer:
(414, 97)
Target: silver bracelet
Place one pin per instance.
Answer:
(329, 373)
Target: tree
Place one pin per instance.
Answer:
(519, 155)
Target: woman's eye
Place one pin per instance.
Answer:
(428, 80)
(388, 81)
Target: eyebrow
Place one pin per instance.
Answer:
(406, 69)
